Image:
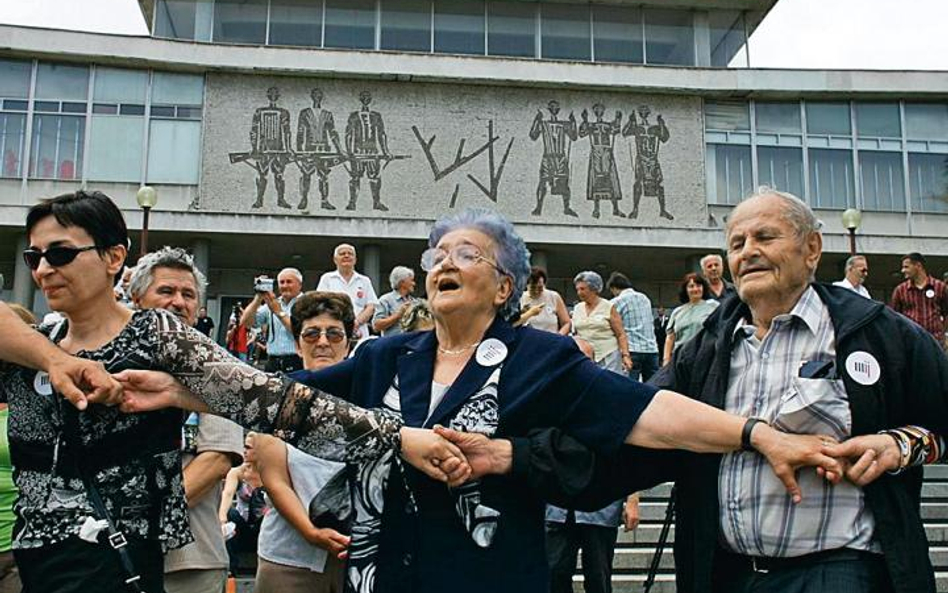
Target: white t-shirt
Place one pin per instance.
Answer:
(359, 288)
(860, 290)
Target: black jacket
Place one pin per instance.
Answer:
(912, 389)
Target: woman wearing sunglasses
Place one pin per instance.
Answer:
(101, 494)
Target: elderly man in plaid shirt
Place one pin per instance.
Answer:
(635, 309)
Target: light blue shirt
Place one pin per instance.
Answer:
(280, 340)
(635, 309)
(387, 305)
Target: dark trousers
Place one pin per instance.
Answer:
(564, 540)
(644, 365)
(77, 566)
(847, 574)
(284, 364)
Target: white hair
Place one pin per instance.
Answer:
(335, 251)
(795, 211)
(166, 257)
(293, 272)
(398, 274)
(710, 256)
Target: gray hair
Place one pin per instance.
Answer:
(795, 211)
(336, 249)
(398, 274)
(511, 252)
(592, 279)
(293, 272)
(167, 257)
(851, 261)
(710, 256)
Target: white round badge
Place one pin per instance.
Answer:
(491, 352)
(863, 368)
(41, 384)
(930, 293)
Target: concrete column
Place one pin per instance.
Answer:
(370, 260)
(538, 258)
(201, 250)
(23, 286)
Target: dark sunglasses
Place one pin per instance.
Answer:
(333, 334)
(55, 256)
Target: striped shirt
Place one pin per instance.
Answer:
(635, 309)
(758, 518)
(280, 340)
(926, 306)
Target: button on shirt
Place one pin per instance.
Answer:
(635, 309)
(359, 288)
(280, 340)
(758, 517)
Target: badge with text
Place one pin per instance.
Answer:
(41, 384)
(930, 293)
(491, 352)
(863, 368)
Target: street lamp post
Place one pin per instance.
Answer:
(852, 218)
(147, 198)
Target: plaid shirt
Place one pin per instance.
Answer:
(926, 306)
(758, 517)
(636, 312)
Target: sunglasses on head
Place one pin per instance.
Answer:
(333, 334)
(60, 255)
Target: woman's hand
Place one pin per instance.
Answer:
(630, 513)
(786, 453)
(433, 455)
(84, 381)
(484, 455)
(868, 456)
(155, 390)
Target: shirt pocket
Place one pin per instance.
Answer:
(815, 406)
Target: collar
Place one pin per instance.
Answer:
(808, 309)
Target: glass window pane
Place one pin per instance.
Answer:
(511, 29)
(181, 165)
(120, 86)
(778, 118)
(669, 37)
(175, 19)
(828, 118)
(350, 23)
(115, 148)
(406, 25)
(296, 22)
(726, 35)
(565, 31)
(57, 147)
(729, 173)
(831, 178)
(459, 26)
(12, 141)
(240, 21)
(55, 81)
(878, 120)
(880, 174)
(177, 89)
(617, 34)
(780, 168)
(926, 121)
(726, 115)
(928, 182)
(15, 79)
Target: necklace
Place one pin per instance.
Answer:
(459, 350)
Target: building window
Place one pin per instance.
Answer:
(350, 24)
(928, 182)
(511, 29)
(565, 32)
(780, 168)
(406, 25)
(296, 22)
(730, 177)
(726, 115)
(831, 178)
(926, 121)
(726, 37)
(617, 34)
(117, 128)
(459, 26)
(829, 119)
(240, 21)
(175, 121)
(878, 120)
(14, 92)
(58, 138)
(669, 37)
(880, 174)
(777, 118)
(184, 19)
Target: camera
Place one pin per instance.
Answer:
(263, 284)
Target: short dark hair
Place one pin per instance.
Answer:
(697, 279)
(314, 303)
(915, 257)
(536, 272)
(619, 281)
(92, 211)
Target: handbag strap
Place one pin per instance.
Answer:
(116, 538)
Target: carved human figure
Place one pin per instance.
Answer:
(317, 150)
(366, 148)
(648, 171)
(558, 136)
(602, 177)
(270, 146)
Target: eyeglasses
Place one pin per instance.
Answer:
(58, 256)
(463, 256)
(333, 334)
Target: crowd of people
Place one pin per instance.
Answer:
(481, 436)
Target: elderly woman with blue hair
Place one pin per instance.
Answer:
(476, 373)
(598, 322)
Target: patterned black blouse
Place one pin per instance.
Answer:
(135, 458)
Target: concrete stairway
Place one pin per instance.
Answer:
(634, 551)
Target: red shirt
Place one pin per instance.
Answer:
(926, 306)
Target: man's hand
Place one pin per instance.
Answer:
(630, 512)
(786, 453)
(84, 381)
(484, 455)
(272, 302)
(868, 456)
(435, 456)
(145, 391)
(330, 540)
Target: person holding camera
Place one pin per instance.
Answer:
(275, 314)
